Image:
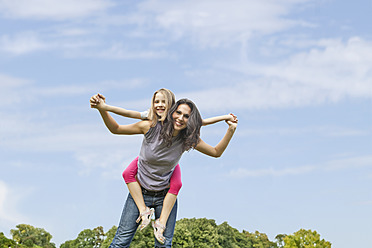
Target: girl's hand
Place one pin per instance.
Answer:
(231, 117)
(234, 122)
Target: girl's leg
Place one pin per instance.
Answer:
(135, 190)
(171, 223)
(170, 198)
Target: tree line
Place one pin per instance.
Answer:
(189, 233)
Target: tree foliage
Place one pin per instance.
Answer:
(87, 239)
(259, 240)
(305, 239)
(5, 242)
(30, 236)
(189, 233)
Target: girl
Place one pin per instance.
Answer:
(162, 100)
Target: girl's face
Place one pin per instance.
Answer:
(160, 104)
(180, 118)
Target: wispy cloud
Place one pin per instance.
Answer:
(53, 9)
(330, 72)
(120, 51)
(215, 23)
(14, 88)
(323, 131)
(8, 213)
(22, 43)
(342, 68)
(332, 165)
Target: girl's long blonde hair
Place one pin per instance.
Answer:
(170, 100)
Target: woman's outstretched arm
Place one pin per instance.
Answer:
(215, 119)
(136, 128)
(218, 150)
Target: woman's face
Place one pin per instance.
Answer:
(160, 104)
(181, 117)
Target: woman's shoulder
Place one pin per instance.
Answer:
(153, 130)
(144, 125)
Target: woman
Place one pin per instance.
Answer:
(161, 102)
(161, 150)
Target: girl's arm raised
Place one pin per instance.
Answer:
(100, 99)
(213, 120)
(221, 146)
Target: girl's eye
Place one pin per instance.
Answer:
(187, 116)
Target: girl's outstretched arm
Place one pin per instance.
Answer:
(100, 99)
(213, 120)
(221, 146)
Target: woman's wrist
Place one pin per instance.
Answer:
(232, 128)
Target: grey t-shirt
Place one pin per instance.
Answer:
(156, 161)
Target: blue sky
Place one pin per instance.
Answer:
(297, 73)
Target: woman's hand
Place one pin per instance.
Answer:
(98, 101)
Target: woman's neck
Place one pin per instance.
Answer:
(175, 133)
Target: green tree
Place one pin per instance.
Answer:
(305, 239)
(5, 242)
(109, 237)
(259, 240)
(87, 239)
(196, 233)
(280, 240)
(30, 236)
(229, 237)
(144, 238)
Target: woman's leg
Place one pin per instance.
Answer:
(127, 225)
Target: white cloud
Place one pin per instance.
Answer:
(331, 72)
(242, 172)
(332, 165)
(22, 43)
(17, 90)
(214, 23)
(120, 51)
(324, 131)
(8, 205)
(9, 86)
(26, 42)
(53, 9)
(9, 82)
(343, 69)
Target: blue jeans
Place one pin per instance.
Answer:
(128, 226)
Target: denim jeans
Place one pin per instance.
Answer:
(128, 226)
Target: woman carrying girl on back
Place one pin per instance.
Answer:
(161, 102)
